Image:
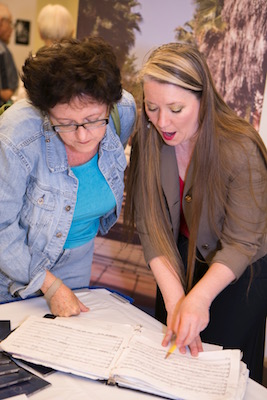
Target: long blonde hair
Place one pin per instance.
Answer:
(221, 135)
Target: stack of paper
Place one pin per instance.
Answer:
(128, 356)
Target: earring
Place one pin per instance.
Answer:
(148, 125)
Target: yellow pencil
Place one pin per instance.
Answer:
(171, 350)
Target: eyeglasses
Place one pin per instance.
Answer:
(11, 23)
(73, 127)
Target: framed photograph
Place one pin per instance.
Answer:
(22, 32)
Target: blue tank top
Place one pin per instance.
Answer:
(94, 199)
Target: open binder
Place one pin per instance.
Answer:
(128, 356)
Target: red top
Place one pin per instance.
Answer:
(183, 227)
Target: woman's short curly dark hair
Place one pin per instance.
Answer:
(72, 68)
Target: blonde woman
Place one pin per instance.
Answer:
(197, 190)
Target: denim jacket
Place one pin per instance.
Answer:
(38, 191)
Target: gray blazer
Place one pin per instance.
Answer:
(236, 247)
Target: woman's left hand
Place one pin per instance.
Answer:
(186, 322)
(190, 317)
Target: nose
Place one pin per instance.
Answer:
(162, 119)
(81, 133)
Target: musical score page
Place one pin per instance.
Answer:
(210, 376)
(101, 350)
(86, 348)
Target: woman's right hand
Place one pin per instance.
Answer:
(64, 303)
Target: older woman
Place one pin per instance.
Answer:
(62, 171)
(55, 23)
(197, 187)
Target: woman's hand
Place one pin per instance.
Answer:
(174, 296)
(186, 322)
(64, 303)
(190, 316)
(62, 300)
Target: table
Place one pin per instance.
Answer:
(109, 307)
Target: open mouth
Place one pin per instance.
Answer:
(168, 135)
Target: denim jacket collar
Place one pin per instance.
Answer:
(56, 155)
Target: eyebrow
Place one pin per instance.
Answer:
(73, 121)
(168, 104)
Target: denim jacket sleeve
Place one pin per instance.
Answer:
(35, 198)
(13, 178)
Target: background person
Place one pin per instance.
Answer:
(55, 23)
(62, 171)
(197, 189)
(8, 70)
